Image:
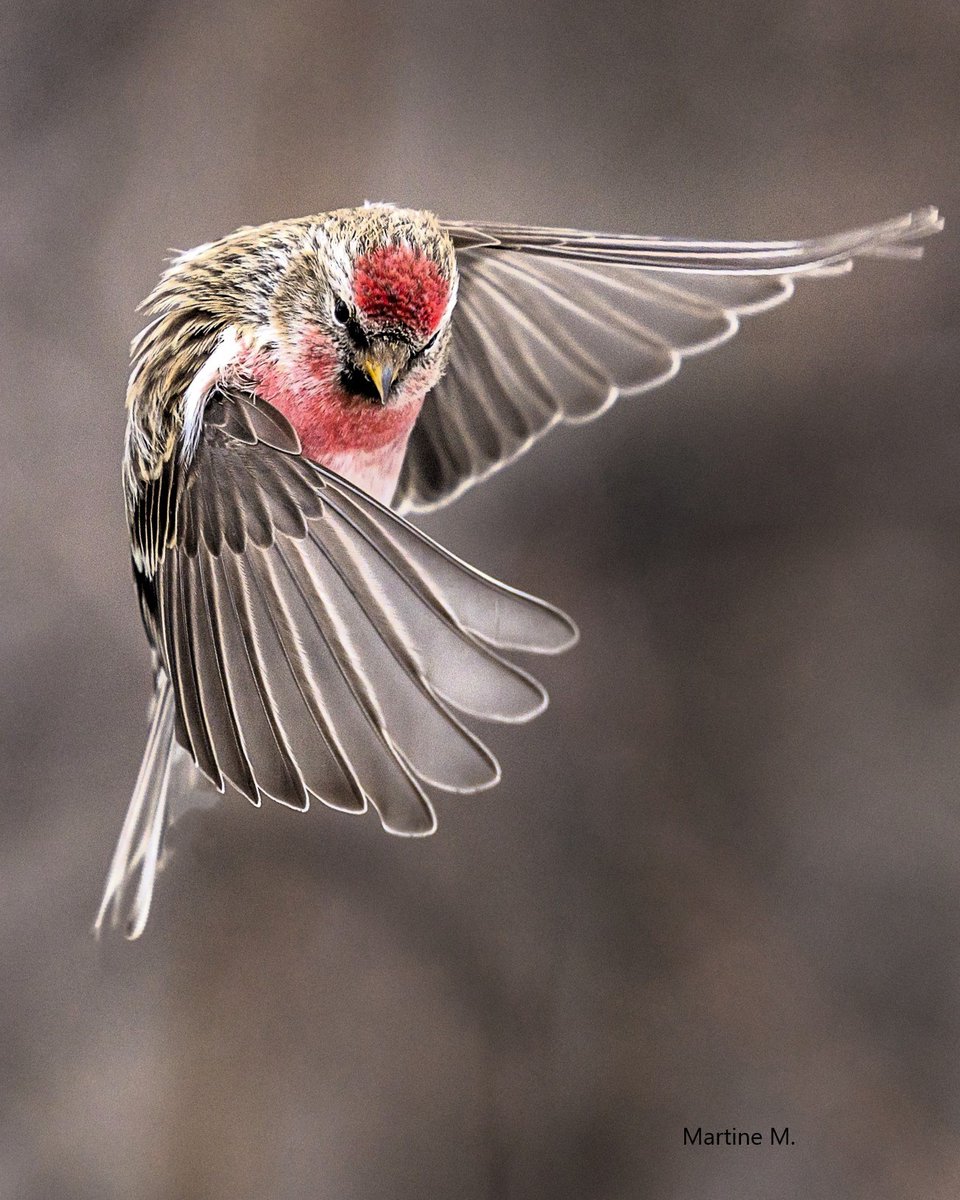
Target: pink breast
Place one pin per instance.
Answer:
(363, 441)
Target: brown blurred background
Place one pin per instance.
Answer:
(720, 884)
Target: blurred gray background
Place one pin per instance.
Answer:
(720, 884)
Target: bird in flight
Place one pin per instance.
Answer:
(299, 389)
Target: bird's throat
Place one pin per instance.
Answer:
(358, 438)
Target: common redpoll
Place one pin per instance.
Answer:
(297, 379)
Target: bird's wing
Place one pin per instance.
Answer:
(553, 325)
(319, 646)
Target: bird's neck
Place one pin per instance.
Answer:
(360, 440)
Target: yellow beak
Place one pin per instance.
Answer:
(380, 375)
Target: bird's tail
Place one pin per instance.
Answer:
(166, 773)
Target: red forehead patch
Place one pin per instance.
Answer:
(395, 283)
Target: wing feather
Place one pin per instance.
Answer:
(261, 734)
(498, 615)
(384, 776)
(177, 615)
(213, 697)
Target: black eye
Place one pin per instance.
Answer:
(341, 311)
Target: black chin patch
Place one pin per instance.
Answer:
(358, 383)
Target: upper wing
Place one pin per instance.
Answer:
(554, 324)
(317, 645)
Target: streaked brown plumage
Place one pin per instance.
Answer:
(295, 379)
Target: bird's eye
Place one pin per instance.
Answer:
(341, 311)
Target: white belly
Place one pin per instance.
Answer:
(376, 471)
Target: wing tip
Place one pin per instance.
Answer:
(925, 220)
(895, 238)
(412, 831)
(571, 631)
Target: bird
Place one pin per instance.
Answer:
(302, 388)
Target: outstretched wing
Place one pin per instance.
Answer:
(554, 324)
(318, 646)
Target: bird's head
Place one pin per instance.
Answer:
(364, 307)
